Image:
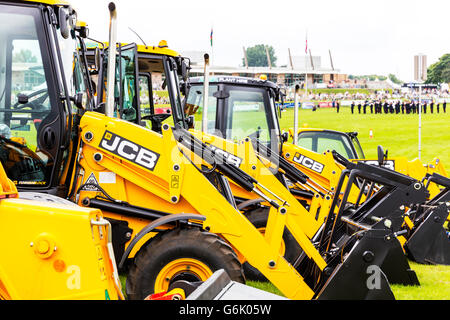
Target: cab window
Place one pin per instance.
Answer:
(145, 102)
(194, 106)
(321, 141)
(247, 115)
(129, 107)
(24, 97)
(358, 147)
(154, 92)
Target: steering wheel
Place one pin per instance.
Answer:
(35, 104)
(160, 117)
(156, 120)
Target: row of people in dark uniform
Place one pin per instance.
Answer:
(396, 107)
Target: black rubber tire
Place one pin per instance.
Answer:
(174, 244)
(258, 217)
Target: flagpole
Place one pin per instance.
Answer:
(420, 119)
(306, 67)
(212, 47)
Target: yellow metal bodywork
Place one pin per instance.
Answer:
(51, 2)
(154, 189)
(254, 166)
(302, 224)
(56, 253)
(328, 178)
(53, 251)
(161, 50)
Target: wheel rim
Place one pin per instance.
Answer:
(181, 269)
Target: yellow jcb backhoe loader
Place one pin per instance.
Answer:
(54, 250)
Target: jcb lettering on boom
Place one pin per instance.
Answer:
(228, 157)
(308, 163)
(129, 150)
(389, 164)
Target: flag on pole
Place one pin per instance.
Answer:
(211, 37)
(306, 43)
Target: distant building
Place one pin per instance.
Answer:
(311, 63)
(289, 75)
(26, 75)
(420, 67)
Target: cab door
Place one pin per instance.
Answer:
(30, 109)
(127, 77)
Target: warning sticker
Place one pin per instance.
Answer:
(175, 182)
(90, 183)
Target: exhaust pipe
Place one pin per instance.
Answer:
(295, 137)
(110, 80)
(205, 94)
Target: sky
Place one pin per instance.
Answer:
(364, 37)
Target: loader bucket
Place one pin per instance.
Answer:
(380, 215)
(430, 242)
(360, 275)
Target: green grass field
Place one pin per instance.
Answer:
(434, 284)
(398, 133)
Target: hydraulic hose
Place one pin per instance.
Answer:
(219, 162)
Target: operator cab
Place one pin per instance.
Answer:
(40, 75)
(147, 83)
(346, 144)
(238, 107)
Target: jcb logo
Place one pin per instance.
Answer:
(389, 164)
(308, 163)
(129, 150)
(229, 158)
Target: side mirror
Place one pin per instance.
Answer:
(63, 19)
(79, 99)
(185, 67)
(281, 107)
(84, 32)
(183, 87)
(190, 122)
(380, 153)
(284, 136)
